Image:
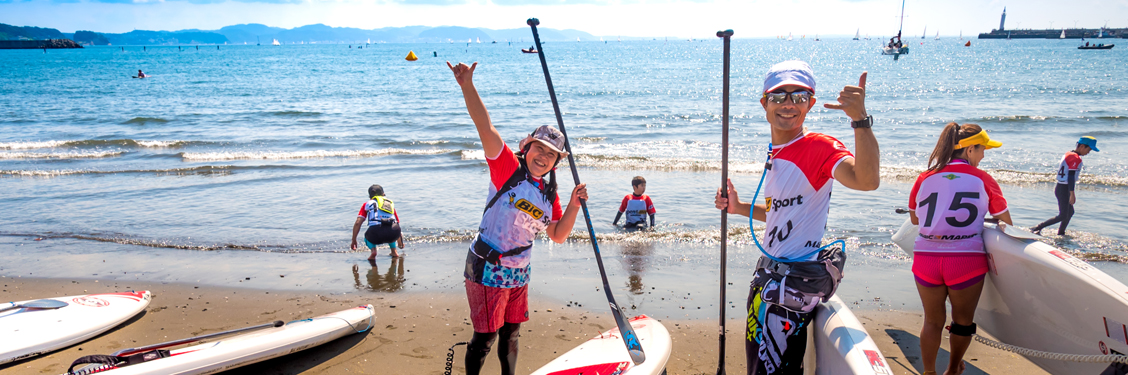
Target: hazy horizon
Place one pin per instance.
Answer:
(627, 18)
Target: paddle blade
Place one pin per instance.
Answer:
(37, 304)
(634, 346)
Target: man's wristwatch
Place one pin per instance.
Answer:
(864, 123)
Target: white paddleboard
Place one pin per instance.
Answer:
(256, 346)
(29, 332)
(606, 353)
(1040, 297)
(841, 343)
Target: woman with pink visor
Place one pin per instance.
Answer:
(948, 202)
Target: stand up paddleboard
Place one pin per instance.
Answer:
(605, 354)
(841, 343)
(28, 332)
(248, 348)
(1039, 297)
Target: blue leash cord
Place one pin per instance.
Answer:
(752, 231)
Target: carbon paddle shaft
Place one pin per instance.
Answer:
(634, 347)
(727, 37)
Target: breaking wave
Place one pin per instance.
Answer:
(60, 155)
(282, 155)
(93, 142)
(145, 120)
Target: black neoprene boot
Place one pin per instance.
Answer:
(507, 347)
(477, 351)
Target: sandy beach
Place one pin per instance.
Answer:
(414, 330)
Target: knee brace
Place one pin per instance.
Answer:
(961, 330)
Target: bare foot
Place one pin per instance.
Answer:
(958, 371)
(395, 254)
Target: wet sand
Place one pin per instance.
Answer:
(414, 330)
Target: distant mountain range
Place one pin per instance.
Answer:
(319, 33)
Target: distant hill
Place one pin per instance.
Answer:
(317, 33)
(9, 32)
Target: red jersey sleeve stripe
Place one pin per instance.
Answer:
(502, 166)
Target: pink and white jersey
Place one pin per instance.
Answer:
(954, 201)
(797, 192)
(1070, 162)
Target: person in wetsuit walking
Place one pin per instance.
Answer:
(1068, 173)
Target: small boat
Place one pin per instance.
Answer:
(857, 34)
(895, 51)
(276, 43)
(923, 33)
(479, 40)
(1097, 46)
(529, 50)
(937, 35)
(1062, 34)
(788, 37)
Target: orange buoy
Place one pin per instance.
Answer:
(411, 56)
(968, 44)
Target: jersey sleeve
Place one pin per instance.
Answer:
(623, 206)
(913, 193)
(1072, 161)
(650, 206)
(836, 154)
(502, 167)
(363, 212)
(557, 213)
(996, 204)
(395, 213)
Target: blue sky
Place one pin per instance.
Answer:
(674, 18)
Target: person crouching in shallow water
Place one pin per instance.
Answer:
(797, 187)
(522, 203)
(383, 223)
(948, 202)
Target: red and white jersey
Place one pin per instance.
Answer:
(1070, 162)
(953, 201)
(636, 208)
(797, 192)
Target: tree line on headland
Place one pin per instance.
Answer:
(319, 33)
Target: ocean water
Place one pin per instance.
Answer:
(268, 151)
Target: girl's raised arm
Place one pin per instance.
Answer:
(491, 139)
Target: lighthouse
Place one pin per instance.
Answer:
(1003, 19)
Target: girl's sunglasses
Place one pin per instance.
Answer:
(797, 97)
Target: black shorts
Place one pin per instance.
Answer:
(379, 234)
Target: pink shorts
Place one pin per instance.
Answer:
(957, 271)
(491, 308)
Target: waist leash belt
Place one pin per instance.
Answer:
(799, 286)
(491, 255)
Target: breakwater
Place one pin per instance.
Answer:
(1054, 34)
(38, 44)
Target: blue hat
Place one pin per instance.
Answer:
(1089, 141)
(793, 72)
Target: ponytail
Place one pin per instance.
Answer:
(945, 149)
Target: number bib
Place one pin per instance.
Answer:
(950, 205)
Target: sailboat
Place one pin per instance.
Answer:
(867, 36)
(923, 33)
(479, 40)
(961, 34)
(857, 34)
(817, 37)
(937, 34)
(788, 37)
(897, 49)
(276, 43)
(1062, 34)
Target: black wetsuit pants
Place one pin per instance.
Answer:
(1065, 210)
(480, 345)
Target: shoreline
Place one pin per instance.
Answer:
(413, 330)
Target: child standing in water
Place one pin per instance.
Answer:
(522, 203)
(636, 205)
(383, 223)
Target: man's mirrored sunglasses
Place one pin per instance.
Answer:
(797, 97)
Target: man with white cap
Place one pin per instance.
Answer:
(797, 186)
(522, 204)
(1068, 172)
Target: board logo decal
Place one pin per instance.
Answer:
(877, 362)
(91, 301)
(529, 208)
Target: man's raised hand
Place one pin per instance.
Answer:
(463, 73)
(852, 100)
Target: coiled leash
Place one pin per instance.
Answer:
(450, 357)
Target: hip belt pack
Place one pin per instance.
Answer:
(799, 286)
